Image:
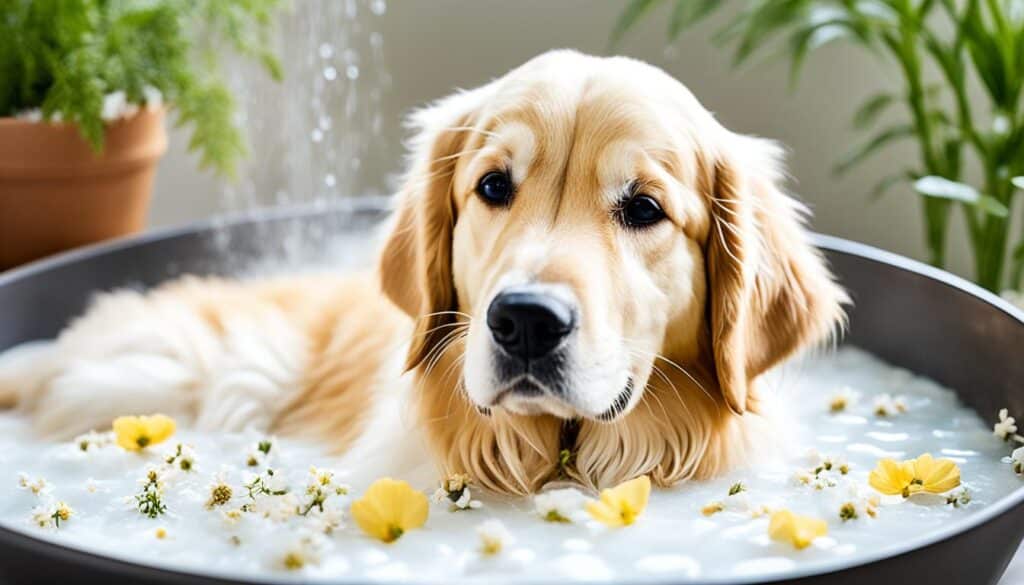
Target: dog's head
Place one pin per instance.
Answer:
(580, 238)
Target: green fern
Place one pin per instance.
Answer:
(64, 56)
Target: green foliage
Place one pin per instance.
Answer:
(65, 56)
(967, 43)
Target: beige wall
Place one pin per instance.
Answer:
(430, 48)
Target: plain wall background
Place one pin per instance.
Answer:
(430, 48)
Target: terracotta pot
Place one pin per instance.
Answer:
(56, 193)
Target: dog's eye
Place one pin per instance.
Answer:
(640, 211)
(495, 188)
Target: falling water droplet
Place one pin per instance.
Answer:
(329, 180)
(324, 123)
(352, 72)
(378, 7)
(330, 73)
(326, 51)
(317, 135)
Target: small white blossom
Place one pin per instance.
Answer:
(35, 115)
(50, 513)
(887, 405)
(152, 96)
(561, 505)
(304, 551)
(38, 486)
(858, 503)
(494, 537)
(93, 441)
(1006, 427)
(115, 105)
(1017, 460)
(842, 399)
(326, 522)
(454, 489)
(278, 509)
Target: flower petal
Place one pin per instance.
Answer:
(936, 475)
(604, 513)
(389, 508)
(891, 477)
(800, 531)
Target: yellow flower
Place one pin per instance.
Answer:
(712, 508)
(799, 531)
(620, 505)
(389, 509)
(924, 474)
(135, 433)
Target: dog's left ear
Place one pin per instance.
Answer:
(770, 291)
(416, 263)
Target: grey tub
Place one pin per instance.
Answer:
(909, 314)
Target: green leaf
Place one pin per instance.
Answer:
(882, 187)
(768, 18)
(634, 11)
(942, 188)
(863, 151)
(810, 38)
(687, 13)
(869, 111)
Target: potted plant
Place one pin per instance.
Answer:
(84, 88)
(966, 42)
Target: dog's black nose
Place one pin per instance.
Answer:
(529, 325)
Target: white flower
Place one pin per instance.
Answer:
(152, 96)
(843, 399)
(93, 441)
(494, 537)
(35, 115)
(455, 490)
(220, 491)
(327, 521)
(1006, 428)
(38, 486)
(42, 515)
(859, 503)
(278, 508)
(156, 477)
(262, 453)
(50, 514)
(1017, 459)
(887, 405)
(114, 106)
(304, 551)
(466, 501)
(561, 505)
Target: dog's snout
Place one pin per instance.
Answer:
(529, 325)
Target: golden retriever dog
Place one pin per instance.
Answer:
(582, 260)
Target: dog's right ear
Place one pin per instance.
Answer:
(416, 262)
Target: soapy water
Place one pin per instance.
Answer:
(673, 539)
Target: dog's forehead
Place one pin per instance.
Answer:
(600, 125)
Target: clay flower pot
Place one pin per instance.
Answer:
(57, 193)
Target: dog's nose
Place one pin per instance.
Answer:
(529, 325)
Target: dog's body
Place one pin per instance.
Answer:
(562, 232)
